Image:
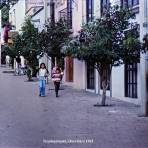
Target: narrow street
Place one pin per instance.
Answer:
(28, 121)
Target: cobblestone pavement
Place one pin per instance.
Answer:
(28, 121)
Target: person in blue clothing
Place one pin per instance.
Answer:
(42, 73)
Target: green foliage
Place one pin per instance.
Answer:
(106, 41)
(5, 14)
(5, 7)
(7, 3)
(27, 43)
(54, 37)
(11, 51)
(131, 47)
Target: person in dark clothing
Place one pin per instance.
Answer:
(18, 60)
(56, 78)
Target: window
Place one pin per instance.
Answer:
(63, 14)
(69, 69)
(129, 3)
(104, 5)
(69, 13)
(131, 80)
(131, 70)
(135, 2)
(89, 10)
(90, 77)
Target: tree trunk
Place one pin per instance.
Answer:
(29, 76)
(104, 86)
(103, 102)
(105, 73)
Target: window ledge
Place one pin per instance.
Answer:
(135, 9)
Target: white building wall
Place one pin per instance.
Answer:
(115, 2)
(97, 8)
(79, 74)
(118, 79)
(118, 82)
(39, 20)
(17, 14)
(79, 66)
(60, 7)
(77, 15)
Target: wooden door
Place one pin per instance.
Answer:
(69, 69)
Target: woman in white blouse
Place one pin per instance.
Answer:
(42, 79)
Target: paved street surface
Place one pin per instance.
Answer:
(28, 121)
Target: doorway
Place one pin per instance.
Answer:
(69, 69)
(90, 77)
(131, 80)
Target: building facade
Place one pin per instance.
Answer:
(127, 81)
(38, 10)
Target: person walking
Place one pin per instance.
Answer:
(7, 60)
(56, 78)
(54, 69)
(18, 62)
(42, 73)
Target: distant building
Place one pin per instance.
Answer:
(34, 9)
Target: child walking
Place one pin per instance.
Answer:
(56, 78)
(42, 79)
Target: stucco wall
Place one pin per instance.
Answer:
(39, 20)
(17, 14)
(79, 74)
(118, 81)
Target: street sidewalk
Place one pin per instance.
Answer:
(28, 121)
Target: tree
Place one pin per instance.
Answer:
(30, 41)
(27, 43)
(5, 7)
(14, 49)
(53, 38)
(105, 43)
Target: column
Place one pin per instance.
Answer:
(144, 59)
